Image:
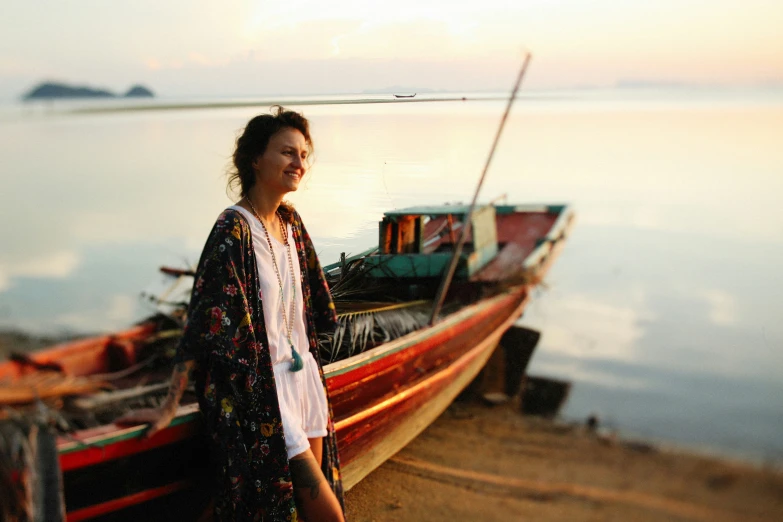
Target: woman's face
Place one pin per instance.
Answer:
(284, 163)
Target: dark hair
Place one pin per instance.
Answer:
(254, 140)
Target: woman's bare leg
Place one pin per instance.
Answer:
(317, 447)
(315, 500)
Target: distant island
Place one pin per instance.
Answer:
(50, 90)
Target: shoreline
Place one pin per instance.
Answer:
(27, 342)
(491, 463)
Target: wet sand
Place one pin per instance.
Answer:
(492, 464)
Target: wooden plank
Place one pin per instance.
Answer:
(385, 236)
(507, 263)
(99, 400)
(406, 235)
(485, 229)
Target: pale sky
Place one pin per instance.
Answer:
(247, 47)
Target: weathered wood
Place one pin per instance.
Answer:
(501, 377)
(406, 239)
(518, 344)
(493, 378)
(485, 234)
(100, 400)
(29, 389)
(507, 263)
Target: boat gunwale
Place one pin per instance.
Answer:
(557, 233)
(406, 341)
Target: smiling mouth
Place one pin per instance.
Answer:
(293, 175)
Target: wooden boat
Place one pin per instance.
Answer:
(384, 392)
(405, 95)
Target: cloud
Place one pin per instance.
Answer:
(577, 370)
(723, 309)
(590, 327)
(117, 313)
(57, 265)
(120, 309)
(575, 42)
(345, 55)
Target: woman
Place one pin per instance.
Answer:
(259, 297)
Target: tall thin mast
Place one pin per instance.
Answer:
(446, 281)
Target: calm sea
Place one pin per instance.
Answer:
(664, 309)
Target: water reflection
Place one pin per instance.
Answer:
(668, 292)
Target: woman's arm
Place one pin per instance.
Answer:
(161, 417)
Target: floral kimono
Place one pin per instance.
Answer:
(226, 335)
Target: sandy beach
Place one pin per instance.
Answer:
(492, 464)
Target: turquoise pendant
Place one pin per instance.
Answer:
(296, 363)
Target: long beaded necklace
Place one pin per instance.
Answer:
(296, 363)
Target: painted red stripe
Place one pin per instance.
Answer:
(90, 455)
(130, 500)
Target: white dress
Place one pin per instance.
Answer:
(300, 394)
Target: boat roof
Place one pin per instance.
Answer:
(460, 209)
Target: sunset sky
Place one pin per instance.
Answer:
(244, 47)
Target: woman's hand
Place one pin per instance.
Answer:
(156, 419)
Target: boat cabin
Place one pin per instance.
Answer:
(419, 242)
